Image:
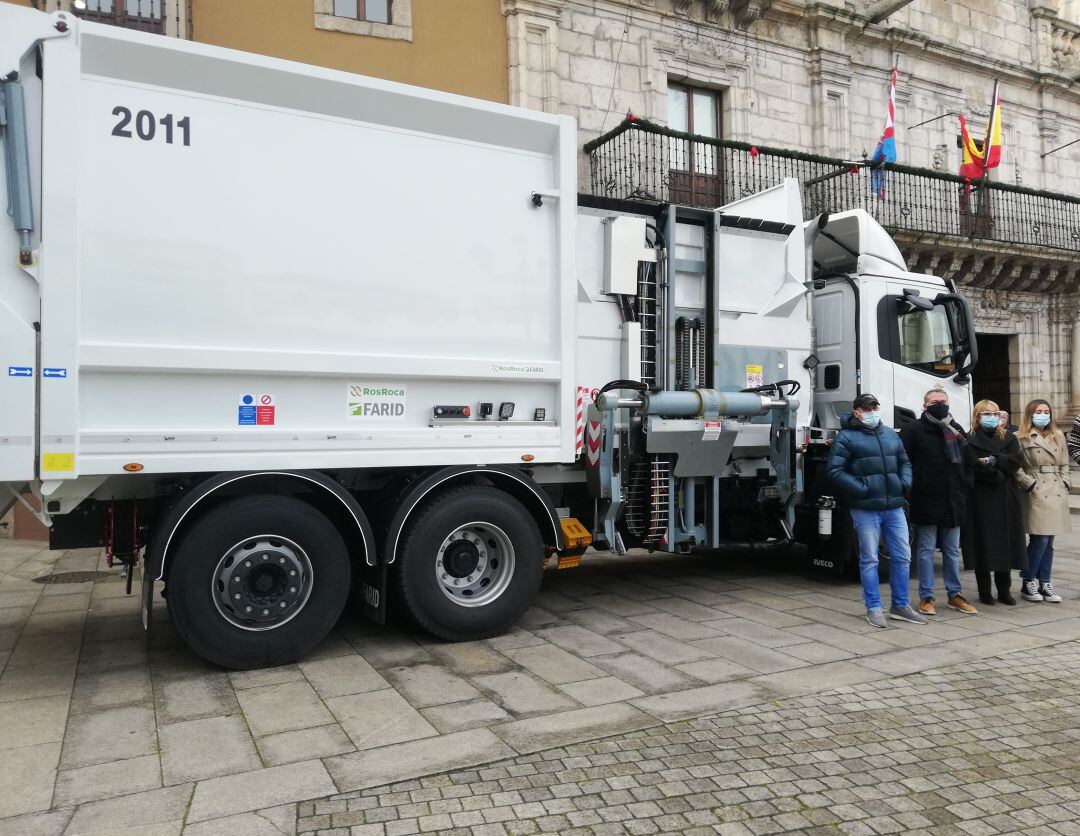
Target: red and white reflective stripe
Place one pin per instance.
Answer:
(580, 426)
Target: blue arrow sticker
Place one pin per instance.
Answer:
(20, 371)
(54, 372)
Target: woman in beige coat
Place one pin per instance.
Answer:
(1045, 480)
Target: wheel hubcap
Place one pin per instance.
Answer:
(262, 582)
(475, 564)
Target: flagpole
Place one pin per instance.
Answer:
(990, 130)
(984, 198)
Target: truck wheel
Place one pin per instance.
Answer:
(257, 582)
(469, 565)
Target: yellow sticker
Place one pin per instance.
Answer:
(755, 376)
(57, 461)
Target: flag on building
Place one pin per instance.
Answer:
(885, 152)
(979, 160)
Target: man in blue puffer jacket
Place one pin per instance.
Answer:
(869, 465)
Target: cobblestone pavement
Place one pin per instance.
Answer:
(103, 731)
(968, 749)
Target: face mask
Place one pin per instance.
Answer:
(989, 422)
(870, 419)
(1041, 420)
(939, 410)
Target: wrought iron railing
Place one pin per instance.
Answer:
(172, 17)
(644, 161)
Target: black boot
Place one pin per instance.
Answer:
(985, 595)
(1003, 581)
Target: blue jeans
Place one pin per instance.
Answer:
(870, 526)
(926, 537)
(1040, 557)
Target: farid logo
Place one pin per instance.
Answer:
(371, 401)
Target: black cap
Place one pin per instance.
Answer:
(864, 400)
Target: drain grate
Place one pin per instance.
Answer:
(72, 577)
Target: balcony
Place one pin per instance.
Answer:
(991, 235)
(161, 17)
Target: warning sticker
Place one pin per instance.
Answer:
(373, 401)
(52, 462)
(755, 376)
(712, 431)
(256, 410)
(264, 411)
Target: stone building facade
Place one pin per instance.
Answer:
(812, 76)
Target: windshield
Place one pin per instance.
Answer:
(927, 341)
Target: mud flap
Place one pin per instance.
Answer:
(369, 591)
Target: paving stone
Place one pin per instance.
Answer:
(750, 655)
(111, 735)
(147, 812)
(265, 676)
(35, 681)
(29, 722)
(246, 791)
(470, 658)
(716, 670)
(538, 733)
(407, 760)
(816, 678)
(428, 685)
(601, 691)
(111, 689)
(51, 823)
(554, 665)
(580, 641)
(644, 673)
(276, 708)
(93, 783)
(270, 820)
(676, 627)
(461, 716)
(390, 650)
(27, 775)
(379, 718)
(601, 622)
(198, 749)
(340, 676)
(304, 744)
(694, 701)
(190, 698)
(522, 694)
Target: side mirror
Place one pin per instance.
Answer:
(822, 220)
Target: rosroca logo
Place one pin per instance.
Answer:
(372, 392)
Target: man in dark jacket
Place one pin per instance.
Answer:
(869, 465)
(940, 454)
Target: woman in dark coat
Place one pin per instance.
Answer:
(994, 533)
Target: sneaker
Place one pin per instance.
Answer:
(907, 614)
(926, 606)
(876, 618)
(1046, 590)
(957, 602)
(1029, 590)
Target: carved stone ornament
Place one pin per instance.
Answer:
(743, 12)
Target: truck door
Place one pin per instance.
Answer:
(926, 340)
(837, 346)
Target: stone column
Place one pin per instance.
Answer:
(1074, 362)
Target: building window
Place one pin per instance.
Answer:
(373, 11)
(144, 15)
(375, 18)
(695, 167)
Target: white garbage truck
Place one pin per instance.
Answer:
(274, 332)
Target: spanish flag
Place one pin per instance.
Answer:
(979, 160)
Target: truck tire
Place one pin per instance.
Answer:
(470, 563)
(257, 582)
